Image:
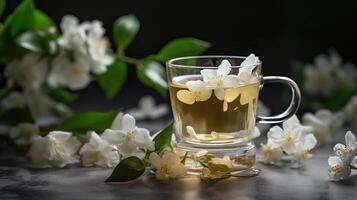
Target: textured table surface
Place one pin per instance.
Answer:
(19, 181)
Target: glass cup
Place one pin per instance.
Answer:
(214, 101)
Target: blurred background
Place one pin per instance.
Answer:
(276, 31)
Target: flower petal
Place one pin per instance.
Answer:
(142, 138)
(185, 96)
(291, 123)
(128, 123)
(309, 141)
(276, 134)
(116, 124)
(334, 160)
(219, 92)
(113, 136)
(191, 131)
(224, 68)
(208, 75)
(231, 94)
(350, 140)
(155, 160)
(205, 95)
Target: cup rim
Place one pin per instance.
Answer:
(170, 63)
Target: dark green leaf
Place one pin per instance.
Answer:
(128, 169)
(182, 47)
(2, 6)
(112, 80)
(339, 99)
(62, 95)
(153, 75)
(163, 139)
(297, 68)
(33, 41)
(88, 121)
(22, 18)
(124, 30)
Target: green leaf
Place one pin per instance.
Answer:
(339, 99)
(124, 30)
(42, 20)
(62, 95)
(153, 75)
(2, 6)
(163, 138)
(128, 169)
(112, 80)
(182, 47)
(22, 18)
(297, 68)
(88, 121)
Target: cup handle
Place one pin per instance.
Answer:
(294, 105)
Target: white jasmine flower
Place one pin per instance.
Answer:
(217, 168)
(328, 75)
(98, 152)
(98, 48)
(197, 91)
(73, 35)
(303, 148)
(116, 124)
(324, 124)
(349, 111)
(167, 166)
(288, 136)
(349, 151)
(66, 72)
(24, 133)
(245, 74)
(29, 71)
(263, 110)
(130, 140)
(338, 170)
(271, 155)
(13, 100)
(57, 149)
(148, 109)
(220, 78)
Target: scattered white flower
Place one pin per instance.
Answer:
(167, 166)
(28, 72)
(245, 74)
(73, 34)
(13, 100)
(287, 137)
(24, 133)
(303, 148)
(270, 155)
(338, 170)
(57, 149)
(324, 124)
(148, 109)
(328, 75)
(130, 140)
(71, 73)
(197, 91)
(220, 78)
(216, 168)
(98, 152)
(349, 151)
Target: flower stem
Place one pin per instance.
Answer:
(129, 60)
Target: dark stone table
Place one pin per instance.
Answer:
(19, 181)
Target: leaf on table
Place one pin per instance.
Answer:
(163, 138)
(124, 30)
(62, 95)
(113, 79)
(182, 47)
(87, 121)
(153, 75)
(128, 169)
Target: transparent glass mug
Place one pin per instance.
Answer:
(221, 119)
